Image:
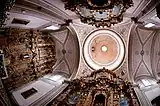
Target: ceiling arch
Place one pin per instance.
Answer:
(67, 51)
(155, 51)
(142, 54)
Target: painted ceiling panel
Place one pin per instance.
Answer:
(59, 47)
(142, 70)
(136, 49)
(147, 52)
(71, 52)
(144, 34)
(62, 67)
(60, 35)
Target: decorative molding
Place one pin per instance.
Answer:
(104, 13)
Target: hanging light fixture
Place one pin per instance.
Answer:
(99, 12)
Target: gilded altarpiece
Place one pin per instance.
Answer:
(29, 54)
(100, 88)
(4, 100)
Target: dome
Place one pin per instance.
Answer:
(103, 48)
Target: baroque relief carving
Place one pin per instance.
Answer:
(29, 55)
(100, 88)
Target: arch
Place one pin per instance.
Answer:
(140, 47)
(68, 49)
(99, 100)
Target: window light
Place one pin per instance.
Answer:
(149, 25)
(146, 82)
(52, 27)
(56, 77)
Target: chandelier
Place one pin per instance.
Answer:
(99, 12)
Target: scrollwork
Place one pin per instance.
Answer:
(101, 82)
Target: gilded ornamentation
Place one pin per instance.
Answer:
(99, 12)
(30, 54)
(101, 88)
(6, 5)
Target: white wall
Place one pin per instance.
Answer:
(40, 86)
(43, 86)
(153, 93)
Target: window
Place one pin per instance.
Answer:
(146, 82)
(28, 93)
(56, 77)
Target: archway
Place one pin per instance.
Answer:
(99, 100)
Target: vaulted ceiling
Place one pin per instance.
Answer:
(142, 45)
(42, 13)
(144, 53)
(141, 59)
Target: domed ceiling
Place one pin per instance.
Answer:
(103, 48)
(43, 13)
